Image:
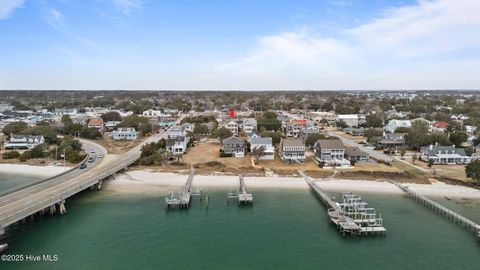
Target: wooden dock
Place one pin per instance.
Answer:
(182, 199)
(244, 198)
(442, 210)
(351, 216)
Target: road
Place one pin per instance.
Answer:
(22, 203)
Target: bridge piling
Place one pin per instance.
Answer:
(62, 208)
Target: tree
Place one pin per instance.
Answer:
(223, 133)
(403, 151)
(258, 152)
(15, 128)
(200, 129)
(140, 123)
(90, 133)
(418, 135)
(430, 163)
(111, 116)
(37, 151)
(48, 132)
(373, 135)
(269, 121)
(472, 170)
(414, 158)
(313, 138)
(457, 138)
(374, 121)
(439, 138)
(341, 124)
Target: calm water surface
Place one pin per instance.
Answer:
(285, 229)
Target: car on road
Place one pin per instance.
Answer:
(83, 166)
(100, 156)
(91, 159)
(92, 151)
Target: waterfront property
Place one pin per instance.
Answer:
(269, 150)
(331, 152)
(24, 141)
(177, 145)
(234, 146)
(241, 195)
(124, 134)
(354, 154)
(446, 155)
(393, 141)
(292, 150)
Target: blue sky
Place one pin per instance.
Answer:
(239, 44)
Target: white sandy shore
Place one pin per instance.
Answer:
(146, 181)
(41, 171)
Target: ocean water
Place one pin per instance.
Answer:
(285, 229)
(9, 181)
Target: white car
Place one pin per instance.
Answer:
(100, 156)
(92, 151)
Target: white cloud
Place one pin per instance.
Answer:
(408, 47)
(8, 6)
(56, 19)
(127, 6)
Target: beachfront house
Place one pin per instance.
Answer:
(124, 134)
(393, 124)
(292, 150)
(177, 145)
(331, 152)
(234, 146)
(354, 154)
(350, 120)
(24, 141)
(446, 155)
(266, 143)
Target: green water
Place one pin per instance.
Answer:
(8, 181)
(285, 229)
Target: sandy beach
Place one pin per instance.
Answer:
(146, 181)
(41, 171)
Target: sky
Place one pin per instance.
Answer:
(239, 44)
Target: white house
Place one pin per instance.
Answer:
(232, 126)
(269, 151)
(393, 124)
(249, 125)
(177, 145)
(445, 155)
(188, 127)
(155, 113)
(350, 119)
(174, 132)
(125, 134)
(24, 141)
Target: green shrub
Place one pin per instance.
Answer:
(11, 155)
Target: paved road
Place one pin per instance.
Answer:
(22, 203)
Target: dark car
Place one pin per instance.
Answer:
(83, 166)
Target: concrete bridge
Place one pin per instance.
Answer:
(48, 196)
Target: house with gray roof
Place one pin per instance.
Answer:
(234, 146)
(266, 143)
(355, 154)
(446, 155)
(331, 152)
(177, 145)
(292, 150)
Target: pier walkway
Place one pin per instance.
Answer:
(242, 195)
(442, 210)
(351, 216)
(182, 199)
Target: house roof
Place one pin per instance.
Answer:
(172, 141)
(330, 144)
(125, 129)
(445, 150)
(261, 140)
(302, 122)
(95, 122)
(355, 151)
(440, 124)
(292, 142)
(233, 140)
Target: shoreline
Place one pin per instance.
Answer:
(144, 181)
(32, 170)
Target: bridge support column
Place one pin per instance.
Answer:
(52, 209)
(62, 208)
(2, 230)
